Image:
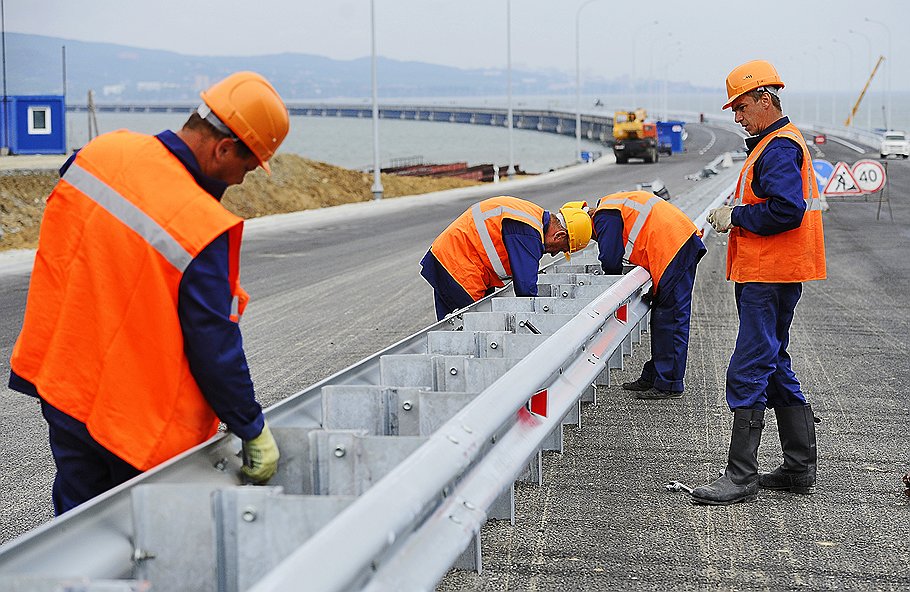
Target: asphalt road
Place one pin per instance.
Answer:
(327, 290)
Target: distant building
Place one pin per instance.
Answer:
(34, 124)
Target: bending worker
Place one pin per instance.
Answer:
(642, 229)
(776, 243)
(493, 240)
(131, 338)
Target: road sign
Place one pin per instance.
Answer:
(823, 170)
(842, 182)
(869, 175)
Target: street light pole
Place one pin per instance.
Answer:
(868, 69)
(511, 170)
(890, 59)
(6, 139)
(377, 171)
(850, 70)
(578, 80)
(818, 76)
(635, 104)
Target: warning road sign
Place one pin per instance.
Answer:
(869, 175)
(842, 182)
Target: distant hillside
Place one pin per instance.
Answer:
(118, 73)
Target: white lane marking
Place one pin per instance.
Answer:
(711, 143)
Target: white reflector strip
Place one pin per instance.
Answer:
(486, 240)
(130, 215)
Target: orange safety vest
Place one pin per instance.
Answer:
(471, 248)
(653, 230)
(796, 255)
(101, 340)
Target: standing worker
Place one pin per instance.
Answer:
(643, 229)
(493, 240)
(776, 243)
(131, 337)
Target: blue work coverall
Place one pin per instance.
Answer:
(760, 373)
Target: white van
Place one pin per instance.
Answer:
(895, 143)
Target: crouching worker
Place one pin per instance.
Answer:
(642, 229)
(131, 338)
(496, 239)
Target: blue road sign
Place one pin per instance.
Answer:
(823, 170)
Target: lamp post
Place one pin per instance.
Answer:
(634, 67)
(5, 141)
(850, 68)
(511, 170)
(377, 180)
(578, 79)
(890, 58)
(868, 69)
(663, 51)
(818, 74)
(651, 90)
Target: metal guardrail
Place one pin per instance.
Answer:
(412, 449)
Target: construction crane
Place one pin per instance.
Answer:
(862, 94)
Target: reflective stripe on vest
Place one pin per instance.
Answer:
(812, 202)
(644, 210)
(119, 207)
(480, 218)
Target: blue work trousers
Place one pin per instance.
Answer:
(448, 295)
(84, 467)
(671, 311)
(759, 374)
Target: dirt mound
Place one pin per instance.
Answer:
(295, 184)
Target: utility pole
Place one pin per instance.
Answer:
(377, 171)
(511, 170)
(4, 150)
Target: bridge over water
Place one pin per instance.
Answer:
(593, 126)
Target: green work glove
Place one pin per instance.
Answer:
(260, 456)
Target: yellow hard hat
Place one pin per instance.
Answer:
(579, 205)
(250, 107)
(578, 225)
(750, 76)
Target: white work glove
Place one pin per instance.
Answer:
(260, 456)
(721, 219)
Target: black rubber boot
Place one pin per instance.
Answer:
(796, 426)
(739, 483)
(639, 385)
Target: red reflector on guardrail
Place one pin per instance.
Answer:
(622, 314)
(537, 404)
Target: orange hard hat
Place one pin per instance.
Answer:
(250, 107)
(750, 76)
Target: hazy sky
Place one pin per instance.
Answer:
(696, 40)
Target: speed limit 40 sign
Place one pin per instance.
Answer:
(869, 175)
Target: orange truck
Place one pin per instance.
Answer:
(633, 137)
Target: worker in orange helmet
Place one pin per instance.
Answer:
(495, 239)
(131, 339)
(641, 228)
(776, 243)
